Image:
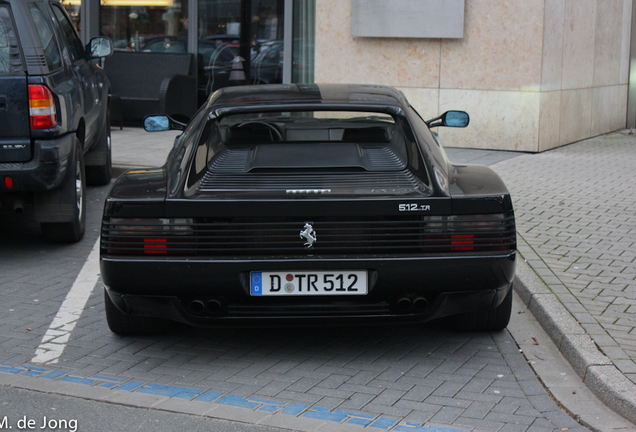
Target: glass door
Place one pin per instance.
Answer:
(240, 42)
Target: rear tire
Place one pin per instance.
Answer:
(127, 325)
(73, 231)
(484, 320)
(99, 175)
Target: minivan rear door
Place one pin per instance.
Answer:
(15, 141)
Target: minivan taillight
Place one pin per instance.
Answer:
(41, 107)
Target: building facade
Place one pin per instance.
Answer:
(532, 74)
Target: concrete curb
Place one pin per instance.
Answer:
(177, 405)
(596, 370)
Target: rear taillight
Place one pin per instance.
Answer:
(147, 236)
(462, 242)
(155, 245)
(470, 233)
(41, 107)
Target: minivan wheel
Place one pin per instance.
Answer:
(73, 231)
(99, 175)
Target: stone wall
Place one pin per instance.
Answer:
(532, 74)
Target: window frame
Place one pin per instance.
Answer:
(68, 33)
(51, 49)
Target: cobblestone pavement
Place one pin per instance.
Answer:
(575, 209)
(392, 378)
(400, 378)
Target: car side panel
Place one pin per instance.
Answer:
(475, 180)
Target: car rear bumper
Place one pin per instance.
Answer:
(216, 292)
(46, 170)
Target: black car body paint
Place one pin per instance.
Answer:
(434, 239)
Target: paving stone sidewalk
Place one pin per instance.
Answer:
(576, 220)
(577, 228)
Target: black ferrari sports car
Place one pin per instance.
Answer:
(306, 203)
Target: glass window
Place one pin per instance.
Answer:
(239, 41)
(10, 60)
(223, 25)
(72, 8)
(43, 26)
(76, 49)
(303, 45)
(333, 127)
(147, 25)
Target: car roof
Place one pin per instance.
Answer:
(358, 95)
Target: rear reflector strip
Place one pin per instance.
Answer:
(391, 235)
(465, 244)
(155, 246)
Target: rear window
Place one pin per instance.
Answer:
(310, 126)
(43, 26)
(373, 150)
(318, 140)
(10, 60)
(68, 32)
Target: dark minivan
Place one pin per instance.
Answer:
(54, 123)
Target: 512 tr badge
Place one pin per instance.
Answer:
(414, 207)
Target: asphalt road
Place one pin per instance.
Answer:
(29, 410)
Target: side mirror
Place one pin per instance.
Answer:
(458, 119)
(99, 47)
(159, 123)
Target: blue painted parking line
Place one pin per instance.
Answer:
(210, 396)
(237, 401)
(131, 385)
(294, 409)
(111, 382)
(383, 423)
(108, 378)
(10, 370)
(77, 380)
(54, 374)
(222, 398)
(171, 391)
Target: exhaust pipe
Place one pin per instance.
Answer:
(197, 306)
(18, 206)
(213, 306)
(404, 304)
(419, 304)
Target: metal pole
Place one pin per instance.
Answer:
(89, 19)
(631, 96)
(193, 40)
(246, 37)
(193, 26)
(288, 40)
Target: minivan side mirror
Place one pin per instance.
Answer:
(99, 47)
(458, 119)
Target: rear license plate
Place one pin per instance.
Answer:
(347, 282)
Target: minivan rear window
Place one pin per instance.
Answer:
(10, 60)
(43, 26)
